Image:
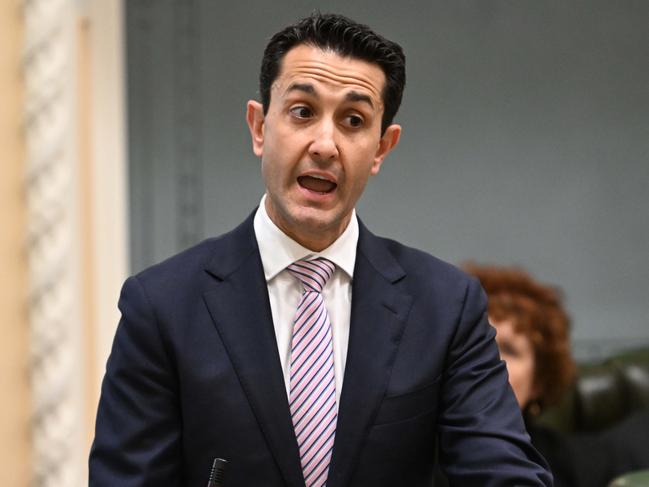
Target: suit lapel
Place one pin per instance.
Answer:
(240, 309)
(378, 315)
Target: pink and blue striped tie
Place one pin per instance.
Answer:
(312, 383)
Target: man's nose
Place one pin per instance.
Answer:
(324, 147)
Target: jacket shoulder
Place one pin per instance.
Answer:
(220, 253)
(422, 267)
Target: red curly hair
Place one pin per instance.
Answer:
(536, 310)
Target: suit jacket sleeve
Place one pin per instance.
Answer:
(137, 438)
(482, 436)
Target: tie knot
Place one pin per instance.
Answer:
(313, 274)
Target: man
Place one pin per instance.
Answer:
(300, 347)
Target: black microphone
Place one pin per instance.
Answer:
(218, 473)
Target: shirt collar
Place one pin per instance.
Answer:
(278, 250)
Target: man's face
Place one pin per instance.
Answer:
(319, 141)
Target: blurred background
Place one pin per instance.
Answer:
(123, 140)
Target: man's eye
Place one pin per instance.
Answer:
(301, 112)
(354, 121)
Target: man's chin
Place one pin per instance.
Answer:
(315, 225)
(321, 219)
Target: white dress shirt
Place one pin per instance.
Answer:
(277, 251)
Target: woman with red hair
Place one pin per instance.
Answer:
(532, 333)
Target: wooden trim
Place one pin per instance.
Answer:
(15, 446)
(107, 177)
(86, 176)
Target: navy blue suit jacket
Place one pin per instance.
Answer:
(195, 374)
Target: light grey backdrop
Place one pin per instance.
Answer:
(526, 138)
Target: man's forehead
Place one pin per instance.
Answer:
(308, 65)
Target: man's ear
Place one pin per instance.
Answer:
(255, 119)
(389, 141)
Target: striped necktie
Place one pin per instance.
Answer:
(312, 383)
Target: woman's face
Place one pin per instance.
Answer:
(517, 352)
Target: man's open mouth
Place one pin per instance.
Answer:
(317, 184)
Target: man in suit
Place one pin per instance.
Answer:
(300, 347)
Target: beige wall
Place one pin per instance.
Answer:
(14, 330)
(99, 208)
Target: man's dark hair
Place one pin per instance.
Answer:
(346, 38)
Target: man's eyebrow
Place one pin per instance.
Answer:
(309, 89)
(356, 96)
(304, 87)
